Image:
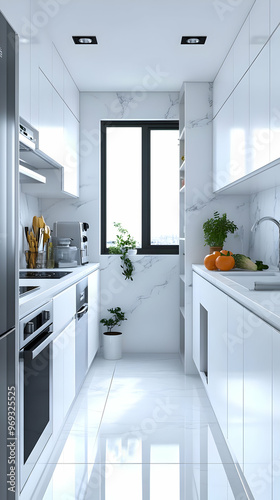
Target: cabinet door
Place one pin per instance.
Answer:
(70, 93)
(196, 321)
(258, 405)
(276, 415)
(93, 314)
(222, 136)
(71, 153)
(241, 52)
(217, 354)
(275, 95)
(64, 308)
(57, 71)
(58, 138)
(259, 111)
(45, 115)
(235, 379)
(69, 367)
(259, 27)
(240, 161)
(58, 389)
(223, 83)
(274, 14)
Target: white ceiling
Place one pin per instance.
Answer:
(139, 37)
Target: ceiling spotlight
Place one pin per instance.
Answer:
(85, 40)
(193, 40)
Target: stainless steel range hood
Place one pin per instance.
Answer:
(29, 150)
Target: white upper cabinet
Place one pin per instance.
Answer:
(259, 111)
(71, 153)
(70, 93)
(259, 27)
(274, 14)
(57, 71)
(224, 82)
(241, 52)
(224, 170)
(45, 116)
(240, 158)
(275, 95)
(58, 128)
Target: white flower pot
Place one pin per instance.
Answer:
(112, 345)
(132, 251)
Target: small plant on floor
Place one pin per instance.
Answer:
(116, 318)
(124, 243)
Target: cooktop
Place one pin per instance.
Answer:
(27, 289)
(43, 274)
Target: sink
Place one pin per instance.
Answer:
(259, 280)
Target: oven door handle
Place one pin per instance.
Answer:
(34, 352)
(82, 311)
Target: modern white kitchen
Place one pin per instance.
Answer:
(134, 366)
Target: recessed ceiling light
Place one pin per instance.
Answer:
(85, 40)
(193, 40)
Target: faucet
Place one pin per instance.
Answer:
(255, 225)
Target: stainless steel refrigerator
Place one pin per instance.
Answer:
(8, 255)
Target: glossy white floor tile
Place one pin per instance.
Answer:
(140, 429)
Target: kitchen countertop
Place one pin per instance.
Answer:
(265, 304)
(50, 287)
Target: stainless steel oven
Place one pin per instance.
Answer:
(36, 387)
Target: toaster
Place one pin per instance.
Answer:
(77, 231)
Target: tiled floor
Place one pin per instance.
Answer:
(141, 430)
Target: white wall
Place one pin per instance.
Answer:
(151, 300)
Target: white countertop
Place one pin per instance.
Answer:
(50, 287)
(266, 304)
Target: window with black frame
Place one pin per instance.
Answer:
(139, 184)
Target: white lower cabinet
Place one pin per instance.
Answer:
(258, 337)
(210, 343)
(276, 415)
(64, 309)
(63, 375)
(243, 376)
(217, 355)
(235, 379)
(69, 366)
(58, 359)
(93, 314)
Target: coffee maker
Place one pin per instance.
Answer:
(77, 231)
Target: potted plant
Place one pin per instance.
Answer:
(125, 246)
(216, 230)
(112, 341)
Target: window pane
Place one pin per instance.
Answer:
(124, 178)
(164, 188)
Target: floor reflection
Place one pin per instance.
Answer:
(142, 440)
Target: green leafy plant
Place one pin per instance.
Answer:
(216, 230)
(124, 242)
(116, 318)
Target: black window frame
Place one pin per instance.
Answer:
(147, 126)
